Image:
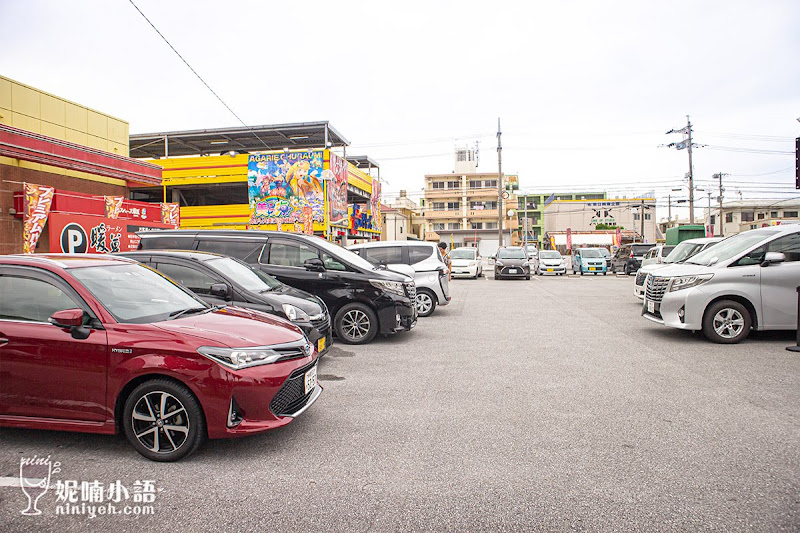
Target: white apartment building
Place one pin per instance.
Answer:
(743, 215)
(461, 208)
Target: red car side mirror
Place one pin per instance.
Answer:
(67, 318)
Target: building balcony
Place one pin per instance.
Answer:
(431, 214)
(482, 213)
(483, 192)
(431, 194)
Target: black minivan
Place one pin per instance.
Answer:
(363, 299)
(222, 280)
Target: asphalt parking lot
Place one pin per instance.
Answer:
(548, 404)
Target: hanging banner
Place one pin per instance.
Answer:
(569, 239)
(37, 202)
(618, 237)
(308, 221)
(375, 205)
(280, 185)
(113, 205)
(171, 214)
(335, 177)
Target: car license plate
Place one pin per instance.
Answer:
(592, 268)
(549, 269)
(651, 306)
(512, 270)
(311, 379)
(321, 345)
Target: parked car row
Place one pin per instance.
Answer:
(199, 334)
(363, 299)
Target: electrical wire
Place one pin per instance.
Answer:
(196, 74)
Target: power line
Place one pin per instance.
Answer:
(195, 73)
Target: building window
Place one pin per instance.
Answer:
(474, 184)
(453, 185)
(476, 225)
(453, 206)
(438, 206)
(490, 183)
(636, 216)
(773, 214)
(728, 217)
(438, 226)
(790, 214)
(437, 185)
(647, 216)
(713, 219)
(761, 216)
(453, 225)
(490, 225)
(748, 216)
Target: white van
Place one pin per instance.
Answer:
(747, 281)
(419, 259)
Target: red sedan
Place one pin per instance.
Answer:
(99, 344)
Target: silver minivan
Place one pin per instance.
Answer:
(747, 281)
(421, 260)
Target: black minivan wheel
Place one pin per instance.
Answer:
(727, 322)
(163, 420)
(356, 324)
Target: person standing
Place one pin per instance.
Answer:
(446, 259)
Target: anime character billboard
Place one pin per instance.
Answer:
(281, 185)
(336, 186)
(375, 205)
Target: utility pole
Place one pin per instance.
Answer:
(691, 178)
(721, 227)
(641, 213)
(687, 143)
(669, 210)
(710, 227)
(499, 186)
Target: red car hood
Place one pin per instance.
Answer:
(235, 327)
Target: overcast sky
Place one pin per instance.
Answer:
(584, 89)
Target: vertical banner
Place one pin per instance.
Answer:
(335, 178)
(113, 206)
(171, 214)
(308, 221)
(569, 239)
(375, 205)
(37, 202)
(619, 237)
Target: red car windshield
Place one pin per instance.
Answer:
(133, 293)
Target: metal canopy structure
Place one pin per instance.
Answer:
(364, 162)
(302, 135)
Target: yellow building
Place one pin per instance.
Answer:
(206, 172)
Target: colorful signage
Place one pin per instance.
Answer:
(335, 177)
(37, 202)
(375, 205)
(282, 184)
(94, 234)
